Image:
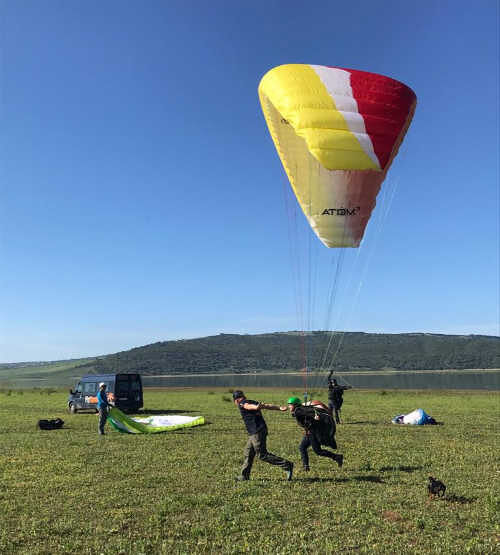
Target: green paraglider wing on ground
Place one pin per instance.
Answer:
(152, 424)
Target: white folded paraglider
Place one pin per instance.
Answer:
(418, 417)
(152, 424)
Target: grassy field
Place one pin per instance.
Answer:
(71, 491)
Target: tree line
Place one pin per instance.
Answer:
(320, 350)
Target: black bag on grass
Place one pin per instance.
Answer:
(54, 424)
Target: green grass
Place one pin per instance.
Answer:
(71, 491)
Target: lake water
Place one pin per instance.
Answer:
(364, 380)
(460, 379)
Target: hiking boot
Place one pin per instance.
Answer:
(241, 478)
(340, 460)
(289, 472)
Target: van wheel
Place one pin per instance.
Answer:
(72, 408)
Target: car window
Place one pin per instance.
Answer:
(79, 388)
(109, 387)
(89, 388)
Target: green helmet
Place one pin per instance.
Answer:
(294, 401)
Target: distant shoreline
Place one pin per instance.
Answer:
(257, 374)
(316, 373)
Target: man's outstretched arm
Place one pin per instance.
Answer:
(259, 406)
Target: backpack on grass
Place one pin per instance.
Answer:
(54, 424)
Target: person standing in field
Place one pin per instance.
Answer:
(336, 396)
(319, 429)
(257, 434)
(102, 406)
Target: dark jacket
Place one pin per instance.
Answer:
(253, 419)
(336, 393)
(318, 422)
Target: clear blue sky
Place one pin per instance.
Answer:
(141, 197)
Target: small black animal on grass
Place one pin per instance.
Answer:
(54, 424)
(436, 487)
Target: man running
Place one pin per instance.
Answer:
(319, 429)
(257, 435)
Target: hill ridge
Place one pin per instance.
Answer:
(283, 351)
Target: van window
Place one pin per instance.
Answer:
(135, 385)
(122, 385)
(89, 388)
(79, 388)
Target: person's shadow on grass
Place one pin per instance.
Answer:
(369, 478)
(317, 479)
(401, 468)
(458, 499)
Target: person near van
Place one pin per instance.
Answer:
(319, 429)
(257, 434)
(336, 396)
(102, 406)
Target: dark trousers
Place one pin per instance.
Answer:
(335, 409)
(256, 445)
(103, 415)
(309, 440)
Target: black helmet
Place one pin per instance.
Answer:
(238, 394)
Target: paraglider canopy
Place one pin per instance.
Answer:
(336, 132)
(152, 424)
(418, 417)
